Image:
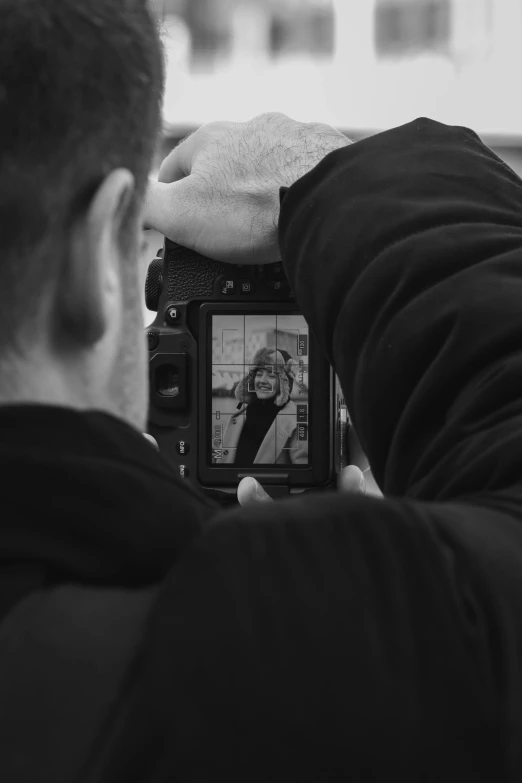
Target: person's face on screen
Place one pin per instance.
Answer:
(266, 384)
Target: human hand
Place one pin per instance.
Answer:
(250, 492)
(151, 440)
(218, 191)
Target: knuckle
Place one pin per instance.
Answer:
(319, 126)
(322, 128)
(271, 116)
(216, 126)
(186, 143)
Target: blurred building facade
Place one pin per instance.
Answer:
(358, 64)
(461, 30)
(266, 28)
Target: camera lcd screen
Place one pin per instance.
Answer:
(259, 396)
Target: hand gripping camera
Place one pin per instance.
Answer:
(238, 385)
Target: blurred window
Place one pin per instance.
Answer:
(294, 26)
(337, 61)
(406, 26)
(309, 30)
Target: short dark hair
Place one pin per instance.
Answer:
(81, 85)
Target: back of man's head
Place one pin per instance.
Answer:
(80, 97)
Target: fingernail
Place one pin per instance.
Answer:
(260, 492)
(152, 441)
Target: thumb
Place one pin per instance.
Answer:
(250, 492)
(151, 440)
(351, 479)
(169, 209)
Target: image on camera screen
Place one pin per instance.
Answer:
(260, 411)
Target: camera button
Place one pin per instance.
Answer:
(246, 287)
(275, 271)
(152, 340)
(184, 472)
(182, 447)
(228, 287)
(278, 285)
(172, 314)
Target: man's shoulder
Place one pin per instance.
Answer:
(72, 645)
(276, 606)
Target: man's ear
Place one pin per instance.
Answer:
(89, 289)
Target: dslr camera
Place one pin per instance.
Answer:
(238, 385)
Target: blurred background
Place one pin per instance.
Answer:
(360, 65)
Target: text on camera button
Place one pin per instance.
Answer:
(228, 287)
(275, 271)
(182, 447)
(152, 340)
(172, 314)
(279, 285)
(184, 472)
(247, 287)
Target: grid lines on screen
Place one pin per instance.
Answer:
(259, 395)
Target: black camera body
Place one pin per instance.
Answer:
(238, 385)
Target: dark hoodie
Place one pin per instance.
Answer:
(345, 637)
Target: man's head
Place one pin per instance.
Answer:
(80, 101)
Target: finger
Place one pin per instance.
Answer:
(250, 492)
(156, 212)
(172, 210)
(351, 479)
(178, 163)
(151, 440)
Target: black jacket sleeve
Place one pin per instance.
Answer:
(405, 254)
(346, 637)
